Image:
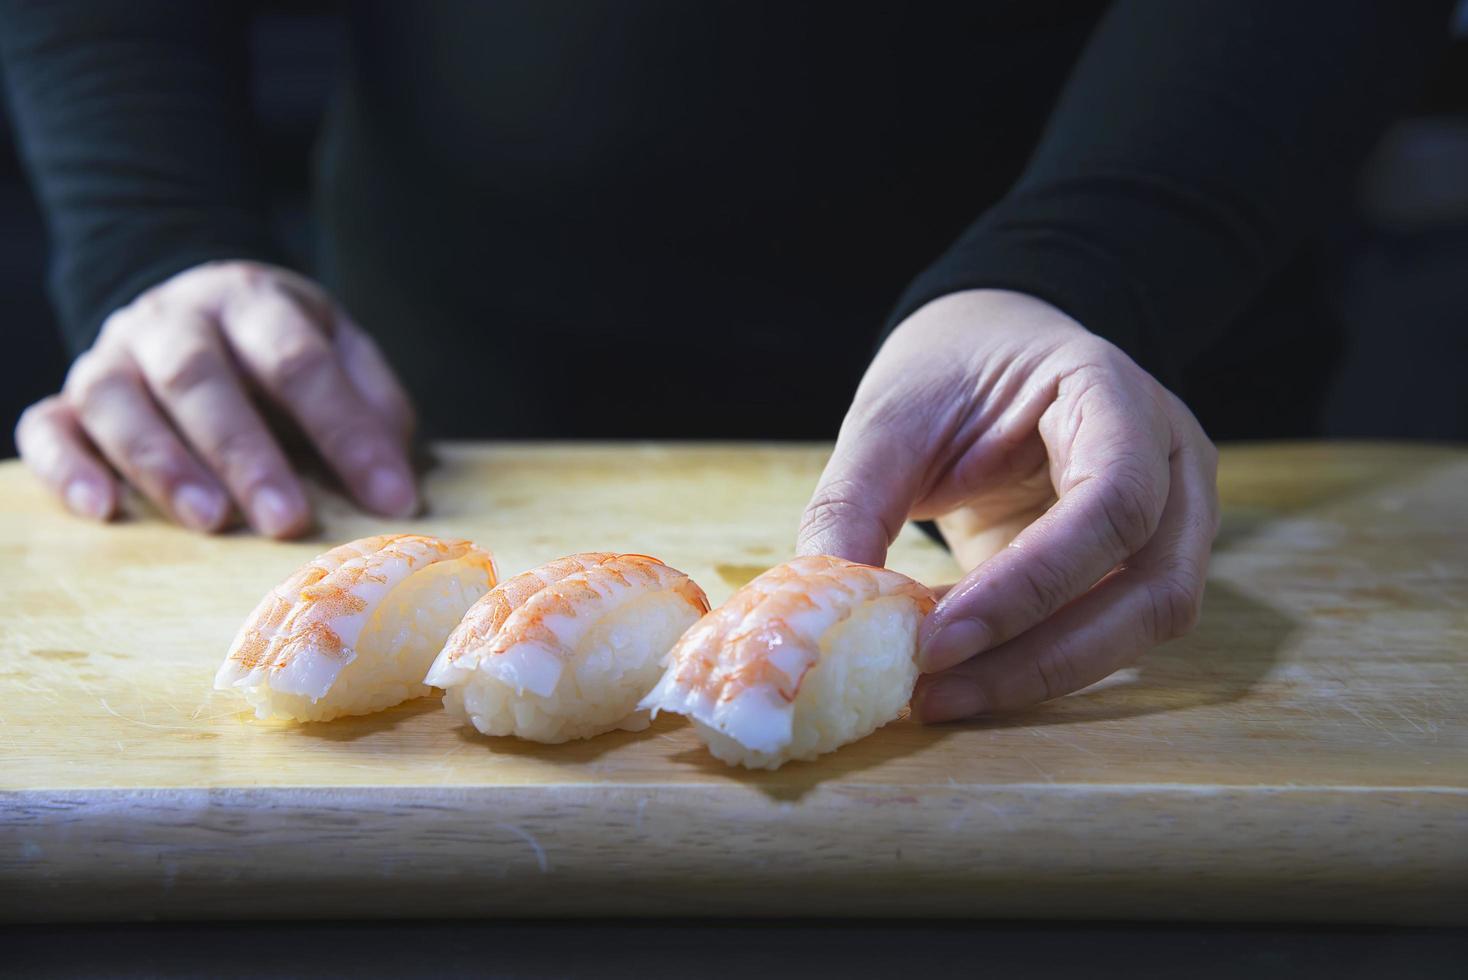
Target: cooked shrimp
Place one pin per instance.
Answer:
(566, 650)
(809, 656)
(352, 631)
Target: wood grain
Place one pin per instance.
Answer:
(1302, 756)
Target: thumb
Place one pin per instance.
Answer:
(863, 496)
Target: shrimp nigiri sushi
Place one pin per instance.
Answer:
(809, 656)
(567, 650)
(353, 630)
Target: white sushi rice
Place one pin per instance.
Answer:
(616, 662)
(863, 681)
(393, 651)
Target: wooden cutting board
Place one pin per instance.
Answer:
(1303, 755)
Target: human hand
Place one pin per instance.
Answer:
(167, 396)
(1080, 493)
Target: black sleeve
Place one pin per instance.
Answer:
(1192, 148)
(133, 119)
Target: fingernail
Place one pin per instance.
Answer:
(953, 644)
(198, 507)
(86, 499)
(947, 699)
(390, 492)
(273, 511)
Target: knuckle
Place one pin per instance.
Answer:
(1129, 511)
(120, 323)
(38, 412)
(1096, 362)
(247, 455)
(215, 283)
(233, 273)
(79, 373)
(835, 505)
(148, 306)
(830, 506)
(1174, 606)
(297, 361)
(1044, 585)
(1055, 673)
(152, 452)
(25, 426)
(248, 275)
(199, 285)
(89, 376)
(182, 368)
(28, 418)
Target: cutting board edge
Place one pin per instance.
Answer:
(1397, 857)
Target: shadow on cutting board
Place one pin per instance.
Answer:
(1229, 655)
(573, 753)
(1252, 500)
(795, 779)
(352, 727)
(1237, 643)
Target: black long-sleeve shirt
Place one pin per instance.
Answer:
(538, 206)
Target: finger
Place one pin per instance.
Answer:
(288, 354)
(974, 538)
(373, 378)
(190, 373)
(864, 494)
(52, 444)
(1113, 482)
(1155, 597)
(116, 411)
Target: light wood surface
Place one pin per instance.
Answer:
(1303, 755)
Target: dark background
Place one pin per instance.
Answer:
(1382, 294)
(1386, 289)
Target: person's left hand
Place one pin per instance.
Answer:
(172, 396)
(1080, 492)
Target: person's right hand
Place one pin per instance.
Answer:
(166, 396)
(1080, 495)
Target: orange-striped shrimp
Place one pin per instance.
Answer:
(352, 631)
(809, 656)
(566, 650)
